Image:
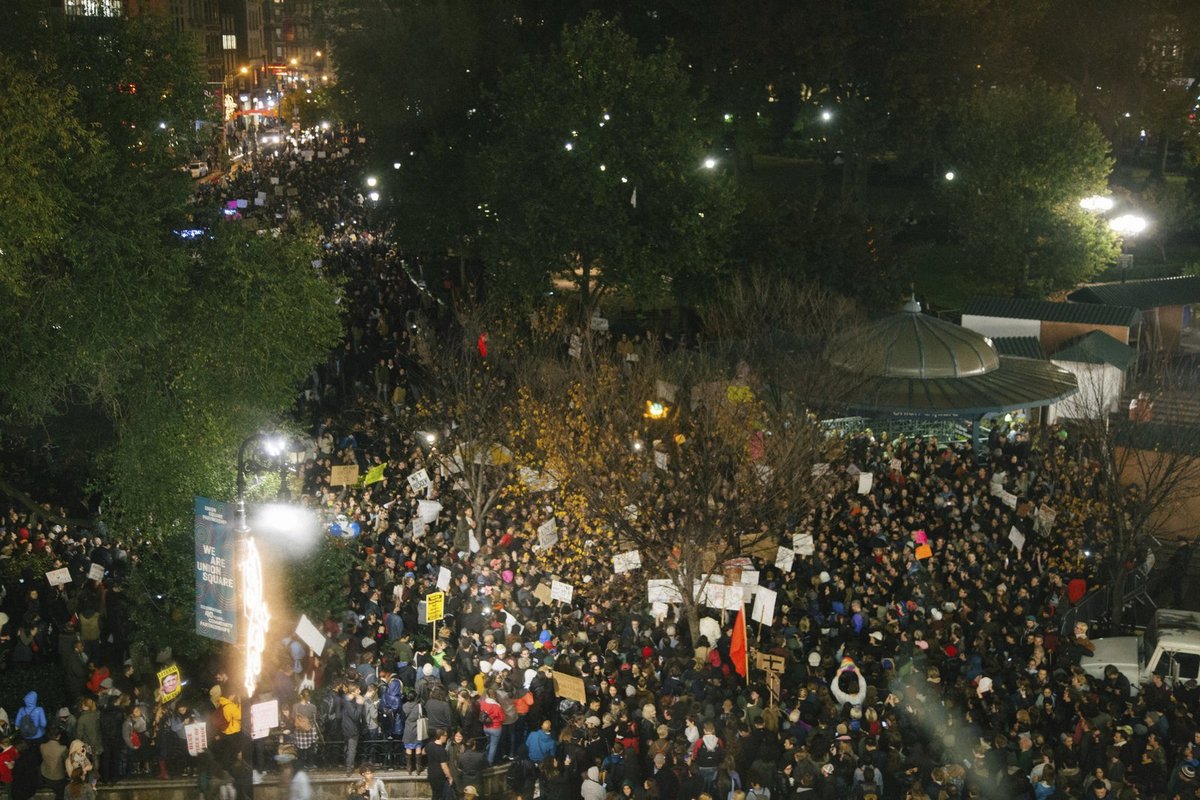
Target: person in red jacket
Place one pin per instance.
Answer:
(491, 714)
(8, 757)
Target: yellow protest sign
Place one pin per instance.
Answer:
(435, 606)
(169, 683)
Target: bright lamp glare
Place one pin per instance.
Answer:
(950, 175)
(372, 180)
(826, 116)
(274, 446)
(288, 529)
(1096, 203)
(710, 163)
(1128, 224)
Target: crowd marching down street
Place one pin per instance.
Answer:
(880, 673)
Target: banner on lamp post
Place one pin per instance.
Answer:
(216, 587)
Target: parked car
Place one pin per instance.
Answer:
(197, 169)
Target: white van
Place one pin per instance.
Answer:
(1170, 647)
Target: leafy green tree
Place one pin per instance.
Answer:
(599, 177)
(1023, 158)
(139, 358)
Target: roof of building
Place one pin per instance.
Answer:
(1143, 294)
(1019, 347)
(1047, 311)
(913, 363)
(1097, 347)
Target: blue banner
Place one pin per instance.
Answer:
(216, 587)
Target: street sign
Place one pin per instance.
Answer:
(434, 606)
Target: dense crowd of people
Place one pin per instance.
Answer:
(921, 641)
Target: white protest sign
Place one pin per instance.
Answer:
(865, 481)
(1008, 498)
(718, 595)
(96, 572)
(784, 558)
(418, 481)
(418, 528)
(548, 533)
(662, 591)
(659, 610)
(803, 544)
(443, 580)
(263, 717)
(562, 592)
(59, 577)
(428, 510)
(1017, 538)
(764, 606)
(625, 562)
(749, 577)
(196, 735)
(536, 481)
(665, 391)
(310, 635)
(575, 349)
(819, 469)
(661, 460)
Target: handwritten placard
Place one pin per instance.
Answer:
(627, 562)
(562, 592)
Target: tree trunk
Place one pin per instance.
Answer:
(1117, 600)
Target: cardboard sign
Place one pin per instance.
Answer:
(769, 662)
(865, 481)
(542, 593)
(1009, 499)
(661, 459)
(169, 683)
(803, 544)
(659, 611)
(418, 527)
(428, 510)
(435, 607)
(757, 545)
(443, 579)
(785, 558)
(419, 481)
(196, 735)
(717, 595)
(569, 687)
(96, 572)
(536, 481)
(662, 591)
(1017, 538)
(924, 551)
(562, 592)
(310, 635)
(59, 577)
(344, 476)
(626, 562)
(764, 606)
(263, 717)
(548, 533)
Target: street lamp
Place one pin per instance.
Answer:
(1127, 224)
(254, 606)
(1096, 202)
(710, 163)
(826, 116)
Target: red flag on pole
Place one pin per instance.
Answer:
(739, 651)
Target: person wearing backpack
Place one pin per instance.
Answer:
(31, 719)
(707, 754)
(491, 716)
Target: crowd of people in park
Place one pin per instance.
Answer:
(920, 644)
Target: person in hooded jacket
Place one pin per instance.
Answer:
(30, 721)
(592, 788)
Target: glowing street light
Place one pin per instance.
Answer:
(1096, 203)
(373, 197)
(372, 180)
(826, 116)
(710, 163)
(1128, 224)
(656, 409)
(950, 175)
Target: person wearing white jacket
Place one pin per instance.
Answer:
(856, 699)
(592, 788)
